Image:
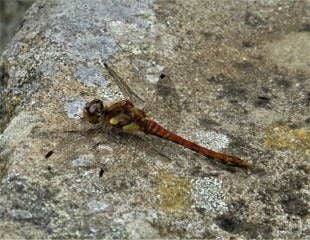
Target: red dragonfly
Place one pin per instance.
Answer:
(124, 115)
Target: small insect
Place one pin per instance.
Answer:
(124, 115)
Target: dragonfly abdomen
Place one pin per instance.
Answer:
(152, 127)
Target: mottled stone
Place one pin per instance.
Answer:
(85, 160)
(207, 195)
(291, 51)
(90, 76)
(11, 12)
(232, 76)
(212, 140)
(75, 107)
(20, 214)
(141, 229)
(96, 206)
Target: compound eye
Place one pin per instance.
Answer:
(93, 111)
(95, 107)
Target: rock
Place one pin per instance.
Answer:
(96, 206)
(141, 229)
(291, 51)
(205, 71)
(20, 214)
(86, 160)
(12, 12)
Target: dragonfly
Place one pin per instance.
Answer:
(126, 117)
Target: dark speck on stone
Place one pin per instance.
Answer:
(247, 44)
(162, 76)
(262, 101)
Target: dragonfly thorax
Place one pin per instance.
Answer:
(94, 111)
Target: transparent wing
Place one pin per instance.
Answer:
(164, 102)
(69, 145)
(126, 90)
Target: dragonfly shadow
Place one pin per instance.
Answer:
(168, 101)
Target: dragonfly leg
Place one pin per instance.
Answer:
(96, 129)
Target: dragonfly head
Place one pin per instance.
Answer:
(94, 111)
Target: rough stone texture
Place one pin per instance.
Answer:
(238, 82)
(11, 13)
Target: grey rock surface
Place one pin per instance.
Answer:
(11, 16)
(238, 82)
